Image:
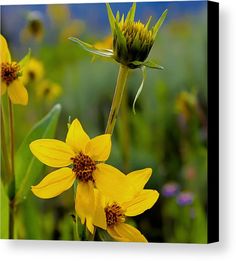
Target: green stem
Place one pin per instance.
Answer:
(12, 196)
(5, 176)
(117, 98)
(124, 131)
(11, 128)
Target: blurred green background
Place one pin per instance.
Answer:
(168, 132)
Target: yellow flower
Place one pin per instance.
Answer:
(48, 91)
(33, 72)
(85, 158)
(186, 103)
(58, 14)
(110, 214)
(11, 73)
(106, 43)
(34, 28)
(75, 27)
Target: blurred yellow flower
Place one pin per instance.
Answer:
(58, 14)
(185, 103)
(11, 73)
(75, 27)
(106, 43)
(33, 72)
(48, 91)
(110, 214)
(85, 157)
(34, 28)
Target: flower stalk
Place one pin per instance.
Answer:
(12, 171)
(117, 98)
(11, 128)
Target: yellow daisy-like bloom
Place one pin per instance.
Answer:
(110, 214)
(33, 72)
(11, 72)
(85, 157)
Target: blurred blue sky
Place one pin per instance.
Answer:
(13, 18)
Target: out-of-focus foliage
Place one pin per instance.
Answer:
(168, 132)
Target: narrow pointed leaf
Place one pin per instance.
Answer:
(159, 23)
(131, 13)
(153, 65)
(110, 17)
(148, 22)
(118, 17)
(25, 60)
(27, 168)
(89, 48)
(143, 68)
(120, 36)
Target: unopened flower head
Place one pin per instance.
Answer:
(132, 41)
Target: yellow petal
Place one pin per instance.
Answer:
(17, 92)
(77, 137)
(111, 231)
(99, 218)
(3, 88)
(129, 233)
(89, 224)
(112, 183)
(53, 153)
(4, 51)
(139, 178)
(140, 203)
(85, 201)
(54, 183)
(99, 148)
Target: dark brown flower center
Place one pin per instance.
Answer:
(83, 167)
(114, 214)
(9, 72)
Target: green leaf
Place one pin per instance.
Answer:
(148, 22)
(159, 23)
(131, 13)
(25, 60)
(143, 68)
(111, 18)
(153, 65)
(118, 17)
(89, 48)
(27, 167)
(4, 213)
(120, 37)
